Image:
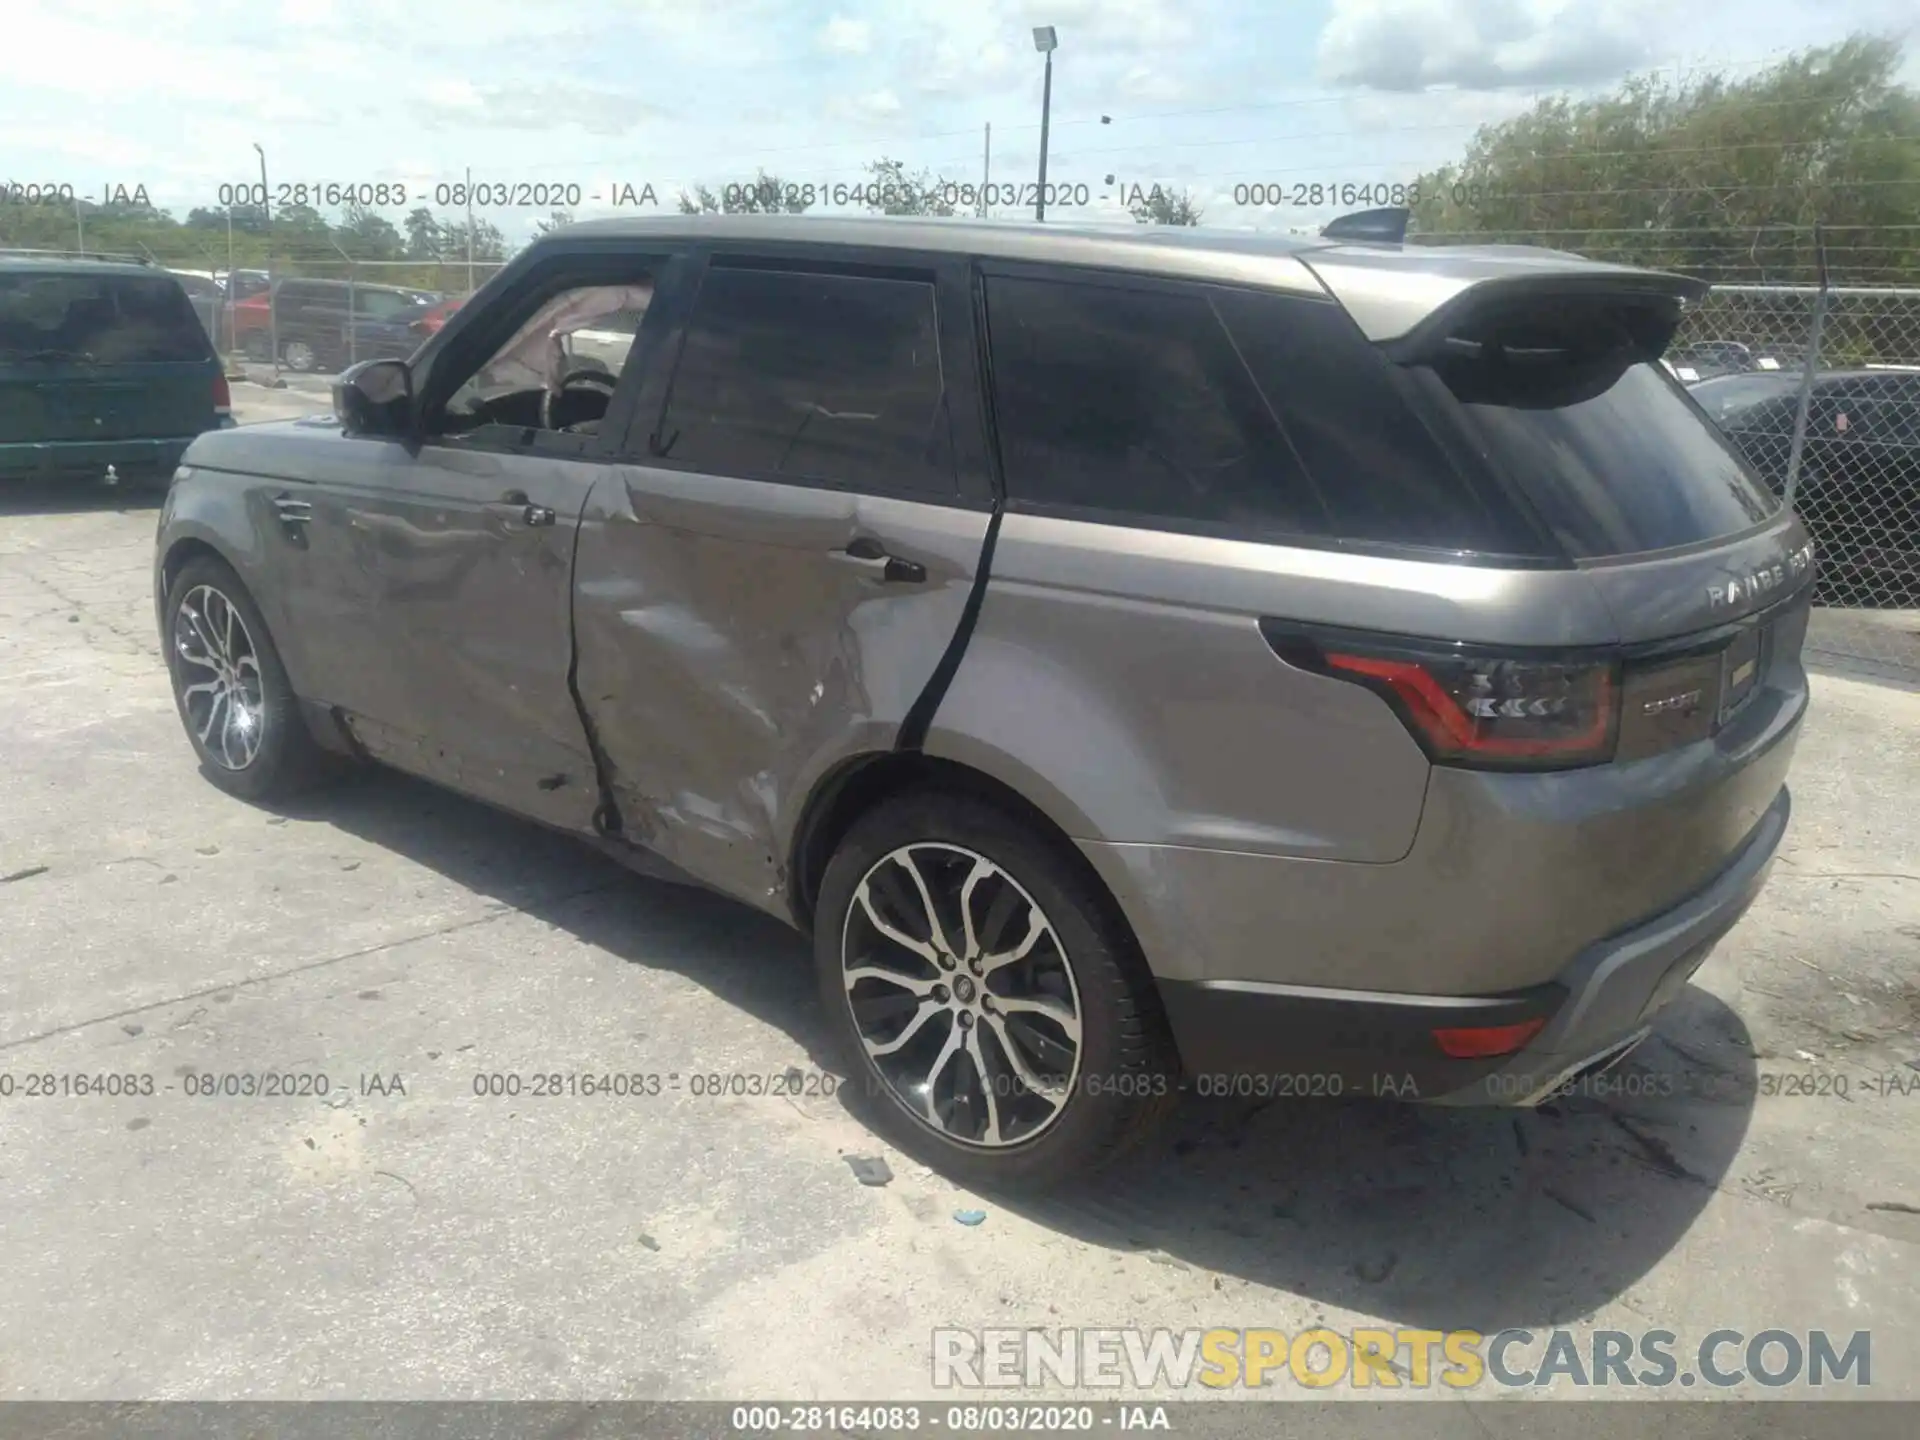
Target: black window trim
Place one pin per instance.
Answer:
(1204, 290)
(950, 277)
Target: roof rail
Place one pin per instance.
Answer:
(110, 257)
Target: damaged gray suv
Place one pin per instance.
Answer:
(1141, 660)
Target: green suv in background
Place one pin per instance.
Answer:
(102, 363)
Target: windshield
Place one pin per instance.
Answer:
(104, 319)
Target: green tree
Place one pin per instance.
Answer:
(892, 190)
(366, 234)
(423, 234)
(556, 220)
(1164, 207)
(1716, 177)
(765, 194)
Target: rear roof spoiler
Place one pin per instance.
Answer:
(1655, 300)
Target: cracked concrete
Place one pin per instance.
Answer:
(407, 1235)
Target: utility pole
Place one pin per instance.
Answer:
(986, 171)
(79, 224)
(273, 296)
(469, 229)
(1044, 40)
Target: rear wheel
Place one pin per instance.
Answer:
(992, 1009)
(230, 688)
(299, 356)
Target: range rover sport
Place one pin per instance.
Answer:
(1130, 655)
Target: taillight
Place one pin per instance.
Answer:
(1473, 707)
(222, 395)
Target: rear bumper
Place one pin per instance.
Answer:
(90, 458)
(1240, 1037)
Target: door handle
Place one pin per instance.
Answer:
(869, 555)
(524, 510)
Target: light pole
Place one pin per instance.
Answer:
(1044, 40)
(273, 300)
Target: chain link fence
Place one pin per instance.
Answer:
(1819, 386)
(325, 315)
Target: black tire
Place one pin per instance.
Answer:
(1128, 1073)
(286, 759)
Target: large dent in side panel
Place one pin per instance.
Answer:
(726, 660)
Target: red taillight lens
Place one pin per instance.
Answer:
(222, 393)
(1485, 1042)
(1479, 710)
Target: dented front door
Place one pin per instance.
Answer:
(737, 639)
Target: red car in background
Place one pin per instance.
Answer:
(430, 323)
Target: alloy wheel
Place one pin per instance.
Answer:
(226, 706)
(962, 995)
(299, 356)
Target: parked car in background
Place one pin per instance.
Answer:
(313, 323)
(102, 364)
(1859, 484)
(205, 294)
(435, 315)
(1312, 668)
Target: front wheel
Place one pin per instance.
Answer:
(992, 1008)
(230, 688)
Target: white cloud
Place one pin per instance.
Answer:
(882, 104)
(1484, 44)
(850, 37)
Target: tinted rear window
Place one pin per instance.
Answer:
(1381, 473)
(1607, 448)
(106, 319)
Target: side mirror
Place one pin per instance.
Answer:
(375, 397)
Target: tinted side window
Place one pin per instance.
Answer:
(830, 378)
(1132, 401)
(1381, 473)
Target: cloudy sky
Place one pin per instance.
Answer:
(1205, 94)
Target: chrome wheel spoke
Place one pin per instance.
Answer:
(213, 713)
(926, 1011)
(956, 1037)
(864, 898)
(201, 688)
(935, 933)
(977, 1053)
(1058, 1011)
(915, 983)
(1010, 1047)
(1036, 927)
(981, 870)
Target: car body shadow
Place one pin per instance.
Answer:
(1442, 1217)
(80, 497)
